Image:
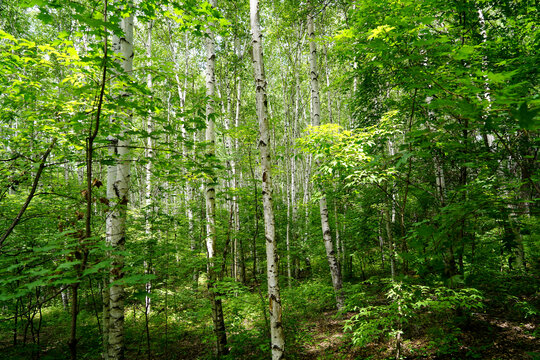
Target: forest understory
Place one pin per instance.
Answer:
(504, 328)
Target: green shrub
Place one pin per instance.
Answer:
(525, 309)
(427, 305)
(310, 298)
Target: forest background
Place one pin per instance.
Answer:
(301, 180)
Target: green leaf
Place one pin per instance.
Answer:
(68, 265)
(527, 118)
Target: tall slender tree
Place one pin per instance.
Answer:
(217, 309)
(335, 270)
(272, 268)
(118, 178)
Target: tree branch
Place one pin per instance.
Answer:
(30, 196)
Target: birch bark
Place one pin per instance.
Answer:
(335, 270)
(276, 329)
(117, 192)
(217, 310)
(148, 170)
(240, 268)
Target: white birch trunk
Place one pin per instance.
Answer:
(330, 95)
(381, 245)
(307, 161)
(391, 245)
(118, 192)
(488, 138)
(338, 238)
(239, 263)
(294, 180)
(190, 187)
(211, 139)
(276, 329)
(148, 170)
(335, 270)
(294, 203)
(182, 92)
(289, 230)
(217, 310)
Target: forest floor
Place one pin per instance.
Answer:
(491, 335)
(486, 337)
(313, 331)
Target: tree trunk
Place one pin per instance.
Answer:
(148, 170)
(289, 183)
(391, 245)
(288, 235)
(117, 193)
(65, 299)
(338, 237)
(276, 329)
(217, 310)
(335, 270)
(241, 269)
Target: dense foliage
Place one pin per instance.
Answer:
(426, 156)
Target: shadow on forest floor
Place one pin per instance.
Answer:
(493, 335)
(486, 337)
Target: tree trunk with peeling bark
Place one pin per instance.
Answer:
(117, 193)
(217, 310)
(148, 170)
(276, 329)
(335, 270)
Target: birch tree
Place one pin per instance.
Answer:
(118, 176)
(276, 329)
(217, 310)
(148, 171)
(335, 270)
